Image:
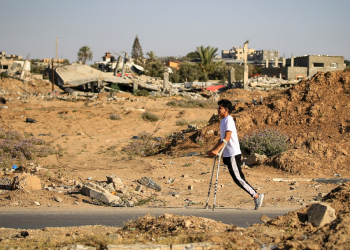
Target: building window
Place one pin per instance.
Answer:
(5, 67)
(318, 65)
(334, 65)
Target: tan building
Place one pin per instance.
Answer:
(237, 53)
(173, 64)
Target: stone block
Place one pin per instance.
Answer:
(26, 182)
(105, 197)
(138, 188)
(320, 214)
(255, 159)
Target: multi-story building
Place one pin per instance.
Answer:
(305, 66)
(236, 53)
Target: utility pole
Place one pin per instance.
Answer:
(245, 73)
(56, 48)
(53, 78)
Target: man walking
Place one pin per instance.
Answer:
(232, 152)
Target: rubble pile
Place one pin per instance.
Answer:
(34, 178)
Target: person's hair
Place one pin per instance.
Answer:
(226, 104)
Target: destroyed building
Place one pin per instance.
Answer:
(304, 66)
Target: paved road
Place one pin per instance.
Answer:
(40, 218)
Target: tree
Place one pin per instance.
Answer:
(192, 55)
(84, 54)
(347, 63)
(151, 56)
(136, 52)
(154, 69)
(206, 56)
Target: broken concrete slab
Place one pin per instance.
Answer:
(149, 183)
(106, 198)
(26, 182)
(320, 214)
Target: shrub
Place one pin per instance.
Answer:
(182, 122)
(145, 145)
(148, 116)
(172, 103)
(267, 142)
(115, 117)
(193, 103)
(141, 92)
(17, 149)
(115, 87)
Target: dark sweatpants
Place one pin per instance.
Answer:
(233, 164)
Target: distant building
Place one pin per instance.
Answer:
(236, 53)
(7, 61)
(262, 55)
(173, 64)
(305, 66)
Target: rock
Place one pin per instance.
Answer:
(265, 218)
(58, 199)
(255, 159)
(210, 132)
(187, 223)
(190, 187)
(320, 214)
(26, 182)
(130, 204)
(37, 203)
(192, 127)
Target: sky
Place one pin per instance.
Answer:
(173, 28)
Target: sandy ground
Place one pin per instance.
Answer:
(89, 147)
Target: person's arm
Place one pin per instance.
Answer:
(220, 144)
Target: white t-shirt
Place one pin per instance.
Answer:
(232, 147)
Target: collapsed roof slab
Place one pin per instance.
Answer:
(75, 75)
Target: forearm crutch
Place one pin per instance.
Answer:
(217, 175)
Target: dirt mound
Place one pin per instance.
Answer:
(167, 225)
(314, 114)
(14, 87)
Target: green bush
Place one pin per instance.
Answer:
(148, 116)
(141, 92)
(172, 103)
(267, 142)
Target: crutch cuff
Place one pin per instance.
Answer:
(224, 141)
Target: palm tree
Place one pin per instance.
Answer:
(206, 56)
(84, 54)
(152, 56)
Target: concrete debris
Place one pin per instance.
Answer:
(192, 127)
(37, 203)
(26, 181)
(320, 214)
(138, 188)
(149, 183)
(117, 182)
(97, 192)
